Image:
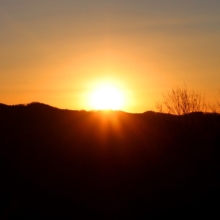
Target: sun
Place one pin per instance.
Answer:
(107, 97)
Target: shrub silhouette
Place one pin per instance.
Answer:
(215, 108)
(182, 101)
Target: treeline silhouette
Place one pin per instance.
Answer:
(107, 164)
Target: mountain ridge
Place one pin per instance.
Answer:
(107, 164)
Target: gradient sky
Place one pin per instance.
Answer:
(57, 51)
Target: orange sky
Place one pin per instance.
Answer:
(56, 52)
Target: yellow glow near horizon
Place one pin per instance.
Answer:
(107, 96)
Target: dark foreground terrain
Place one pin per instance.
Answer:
(61, 164)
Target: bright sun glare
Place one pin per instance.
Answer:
(107, 97)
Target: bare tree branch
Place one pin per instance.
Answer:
(181, 101)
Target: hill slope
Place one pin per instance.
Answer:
(106, 164)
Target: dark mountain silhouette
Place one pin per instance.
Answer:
(107, 164)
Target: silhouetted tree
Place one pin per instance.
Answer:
(215, 108)
(181, 101)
